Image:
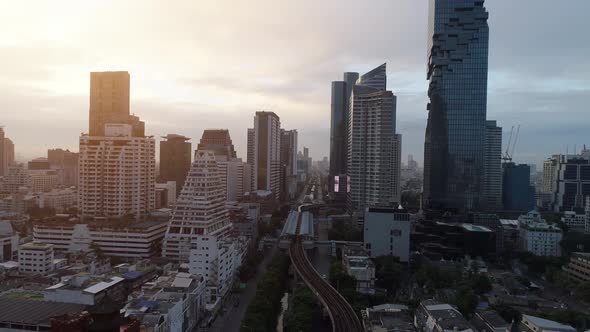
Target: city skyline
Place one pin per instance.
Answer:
(192, 91)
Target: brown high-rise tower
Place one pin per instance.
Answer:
(109, 102)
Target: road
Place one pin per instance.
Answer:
(232, 317)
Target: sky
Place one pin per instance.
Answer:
(212, 64)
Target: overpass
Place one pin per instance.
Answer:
(343, 317)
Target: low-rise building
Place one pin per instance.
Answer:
(137, 240)
(541, 238)
(490, 321)
(174, 302)
(35, 257)
(578, 268)
(87, 290)
(574, 221)
(18, 314)
(357, 264)
(387, 318)
(433, 316)
(387, 232)
(537, 324)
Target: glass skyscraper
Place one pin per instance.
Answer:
(455, 133)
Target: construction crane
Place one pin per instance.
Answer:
(507, 157)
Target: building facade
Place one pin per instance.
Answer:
(175, 159)
(567, 178)
(35, 258)
(517, 192)
(457, 69)
(109, 103)
(538, 237)
(131, 242)
(492, 195)
(387, 232)
(8, 153)
(288, 164)
(578, 268)
(66, 163)
(374, 149)
(117, 174)
(264, 148)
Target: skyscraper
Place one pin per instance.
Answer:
(265, 152)
(218, 141)
(109, 102)
(235, 175)
(288, 163)
(374, 149)
(200, 209)
(117, 164)
(338, 129)
(517, 192)
(175, 159)
(492, 195)
(455, 134)
(117, 174)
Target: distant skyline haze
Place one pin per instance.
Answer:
(213, 64)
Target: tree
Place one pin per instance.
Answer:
(480, 283)
(466, 301)
(507, 312)
(388, 272)
(343, 231)
(304, 304)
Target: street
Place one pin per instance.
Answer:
(232, 317)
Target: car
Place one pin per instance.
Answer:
(324, 277)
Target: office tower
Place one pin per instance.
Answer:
(492, 188)
(455, 133)
(109, 103)
(38, 164)
(567, 179)
(338, 129)
(175, 159)
(374, 149)
(218, 141)
(3, 169)
(265, 151)
(412, 164)
(517, 192)
(200, 210)
(8, 153)
(288, 164)
(66, 163)
(117, 174)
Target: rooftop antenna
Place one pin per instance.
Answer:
(514, 143)
(506, 156)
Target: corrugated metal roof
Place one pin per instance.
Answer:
(34, 312)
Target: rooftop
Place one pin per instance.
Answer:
(548, 325)
(35, 246)
(31, 312)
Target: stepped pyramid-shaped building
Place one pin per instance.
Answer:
(200, 214)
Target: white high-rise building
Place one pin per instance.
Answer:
(374, 149)
(264, 152)
(117, 174)
(200, 209)
(199, 227)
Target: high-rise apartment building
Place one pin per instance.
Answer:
(374, 149)
(454, 159)
(265, 150)
(117, 174)
(200, 210)
(175, 159)
(109, 103)
(66, 163)
(288, 164)
(492, 187)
